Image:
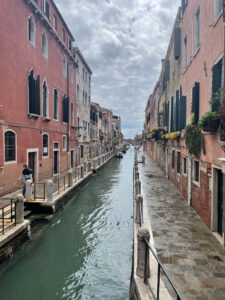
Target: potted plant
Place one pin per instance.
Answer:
(209, 122)
(218, 102)
(193, 137)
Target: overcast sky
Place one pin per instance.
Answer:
(123, 41)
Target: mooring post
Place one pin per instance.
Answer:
(137, 187)
(139, 208)
(28, 195)
(19, 209)
(50, 189)
(142, 255)
(70, 178)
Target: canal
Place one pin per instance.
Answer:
(85, 250)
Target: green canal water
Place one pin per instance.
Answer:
(85, 250)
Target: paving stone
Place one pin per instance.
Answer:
(188, 250)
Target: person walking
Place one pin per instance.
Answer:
(26, 174)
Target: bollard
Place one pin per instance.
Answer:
(82, 172)
(139, 208)
(50, 189)
(137, 187)
(142, 254)
(70, 178)
(19, 209)
(137, 176)
(143, 159)
(28, 195)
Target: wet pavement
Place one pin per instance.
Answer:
(188, 250)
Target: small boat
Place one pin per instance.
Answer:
(119, 155)
(124, 151)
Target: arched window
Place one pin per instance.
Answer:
(55, 105)
(45, 145)
(31, 30)
(45, 99)
(64, 67)
(10, 146)
(44, 45)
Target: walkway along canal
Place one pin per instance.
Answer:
(85, 251)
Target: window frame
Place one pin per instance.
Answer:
(197, 182)
(184, 164)
(197, 30)
(57, 105)
(64, 141)
(185, 53)
(217, 10)
(55, 22)
(178, 163)
(47, 100)
(44, 51)
(31, 41)
(7, 162)
(64, 67)
(173, 154)
(45, 156)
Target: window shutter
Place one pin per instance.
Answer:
(196, 102)
(31, 83)
(37, 96)
(65, 104)
(171, 115)
(177, 111)
(177, 43)
(167, 70)
(216, 81)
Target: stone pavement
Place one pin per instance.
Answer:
(188, 250)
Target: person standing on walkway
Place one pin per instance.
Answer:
(26, 174)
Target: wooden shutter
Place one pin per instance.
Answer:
(197, 86)
(37, 96)
(31, 83)
(171, 115)
(216, 81)
(182, 112)
(177, 112)
(167, 70)
(65, 109)
(177, 43)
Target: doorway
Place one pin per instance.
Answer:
(32, 161)
(220, 203)
(72, 158)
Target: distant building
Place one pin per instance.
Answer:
(83, 90)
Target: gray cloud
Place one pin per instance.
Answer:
(123, 42)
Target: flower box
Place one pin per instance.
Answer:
(211, 126)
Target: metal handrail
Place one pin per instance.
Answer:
(35, 190)
(11, 216)
(160, 267)
(140, 214)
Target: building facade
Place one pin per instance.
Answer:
(38, 88)
(192, 75)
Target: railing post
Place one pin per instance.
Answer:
(19, 209)
(139, 209)
(70, 178)
(142, 255)
(28, 195)
(137, 187)
(82, 172)
(136, 175)
(50, 189)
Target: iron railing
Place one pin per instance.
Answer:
(39, 190)
(7, 214)
(160, 268)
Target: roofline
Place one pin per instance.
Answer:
(64, 23)
(77, 50)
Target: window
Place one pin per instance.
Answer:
(47, 10)
(184, 4)
(69, 43)
(55, 22)
(55, 105)
(78, 92)
(34, 94)
(195, 101)
(197, 30)
(72, 76)
(218, 8)
(184, 165)
(65, 109)
(45, 145)
(178, 162)
(31, 30)
(83, 97)
(45, 99)
(81, 151)
(64, 67)
(44, 45)
(64, 142)
(63, 35)
(10, 146)
(72, 114)
(83, 74)
(173, 159)
(196, 171)
(185, 54)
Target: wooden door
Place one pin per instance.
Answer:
(31, 163)
(220, 203)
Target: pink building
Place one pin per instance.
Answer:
(38, 94)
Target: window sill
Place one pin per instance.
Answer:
(46, 119)
(196, 183)
(185, 175)
(10, 162)
(31, 115)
